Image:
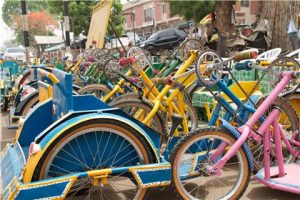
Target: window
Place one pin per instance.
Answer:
(245, 3)
(148, 15)
(164, 8)
(166, 33)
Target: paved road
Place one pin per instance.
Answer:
(254, 191)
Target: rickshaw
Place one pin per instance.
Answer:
(72, 145)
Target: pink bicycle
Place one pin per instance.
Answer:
(216, 163)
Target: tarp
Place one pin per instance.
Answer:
(99, 22)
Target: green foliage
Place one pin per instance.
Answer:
(11, 10)
(80, 14)
(116, 18)
(191, 10)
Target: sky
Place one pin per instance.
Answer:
(5, 32)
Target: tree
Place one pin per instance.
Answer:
(12, 9)
(278, 14)
(224, 16)
(81, 13)
(11, 14)
(116, 18)
(224, 24)
(191, 10)
(39, 23)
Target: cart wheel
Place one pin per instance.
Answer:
(97, 144)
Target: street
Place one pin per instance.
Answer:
(255, 190)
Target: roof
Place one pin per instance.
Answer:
(39, 39)
(55, 48)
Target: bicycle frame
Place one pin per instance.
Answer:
(245, 110)
(152, 93)
(246, 131)
(144, 76)
(160, 97)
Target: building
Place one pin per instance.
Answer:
(246, 11)
(139, 16)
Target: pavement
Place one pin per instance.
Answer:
(255, 190)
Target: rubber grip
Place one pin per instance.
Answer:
(245, 55)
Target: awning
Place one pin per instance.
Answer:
(55, 48)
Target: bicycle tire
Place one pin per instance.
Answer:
(183, 144)
(188, 103)
(94, 87)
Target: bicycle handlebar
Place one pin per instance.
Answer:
(51, 76)
(245, 55)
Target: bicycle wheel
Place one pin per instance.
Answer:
(97, 144)
(294, 99)
(188, 45)
(191, 160)
(128, 95)
(97, 90)
(290, 124)
(139, 109)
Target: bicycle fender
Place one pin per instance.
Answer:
(236, 134)
(24, 102)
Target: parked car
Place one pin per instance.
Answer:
(165, 39)
(15, 53)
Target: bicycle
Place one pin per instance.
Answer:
(222, 155)
(153, 104)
